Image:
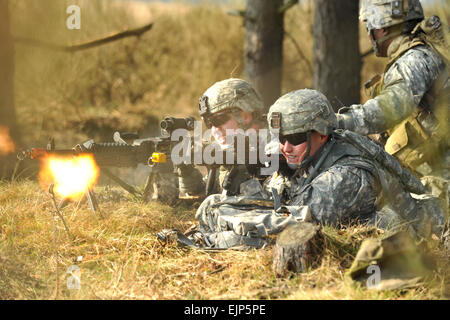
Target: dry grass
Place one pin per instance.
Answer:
(122, 259)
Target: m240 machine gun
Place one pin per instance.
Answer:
(127, 150)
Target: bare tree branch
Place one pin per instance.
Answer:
(98, 42)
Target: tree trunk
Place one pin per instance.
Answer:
(8, 125)
(264, 48)
(298, 247)
(337, 61)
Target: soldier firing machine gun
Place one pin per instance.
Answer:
(128, 150)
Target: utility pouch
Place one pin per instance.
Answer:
(410, 144)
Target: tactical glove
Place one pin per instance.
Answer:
(345, 120)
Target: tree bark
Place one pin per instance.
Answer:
(264, 48)
(337, 60)
(7, 112)
(298, 247)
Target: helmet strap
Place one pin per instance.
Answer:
(306, 161)
(378, 42)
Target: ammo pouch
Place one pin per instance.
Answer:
(412, 146)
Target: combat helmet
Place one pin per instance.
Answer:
(378, 14)
(302, 111)
(299, 112)
(233, 95)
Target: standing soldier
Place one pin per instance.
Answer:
(410, 100)
(226, 106)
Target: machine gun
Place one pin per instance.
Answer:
(121, 153)
(127, 150)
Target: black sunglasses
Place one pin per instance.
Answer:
(295, 139)
(218, 120)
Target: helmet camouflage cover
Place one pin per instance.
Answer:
(378, 14)
(301, 111)
(230, 94)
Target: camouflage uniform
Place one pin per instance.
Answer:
(227, 95)
(191, 181)
(342, 184)
(410, 101)
(342, 192)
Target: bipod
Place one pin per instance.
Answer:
(91, 198)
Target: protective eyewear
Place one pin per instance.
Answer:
(219, 119)
(295, 139)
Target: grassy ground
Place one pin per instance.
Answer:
(122, 259)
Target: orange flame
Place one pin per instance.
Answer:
(6, 143)
(71, 176)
